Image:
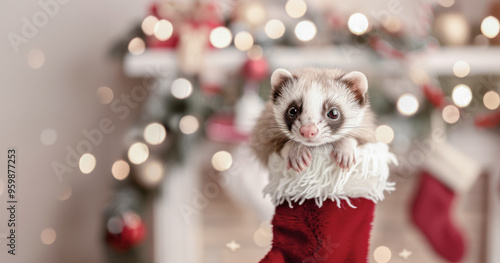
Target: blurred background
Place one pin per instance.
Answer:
(130, 123)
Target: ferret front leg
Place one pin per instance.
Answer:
(344, 152)
(298, 156)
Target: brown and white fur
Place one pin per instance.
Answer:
(314, 108)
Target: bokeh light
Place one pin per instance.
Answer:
(305, 30)
(48, 136)
(189, 124)
(155, 133)
(264, 235)
(148, 25)
(36, 58)
(461, 68)
(393, 25)
(255, 52)
(115, 225)
(105, 95)
(408, 104)
(446, 3)
(491, 100)
(481, 40)
(243, 41)
(254, 13)
(462, 95)
(136, 46)
(87, 163)
(220, 37)
(152, 172)
(453, 29)
(131, 219)
(222, 160)
(48, 236)
(120, 170)
(419, 76)
(274, 29)
(382, 254)
(296, 8)
(451, 114)
(181, 88)
(384, 133)
(490, 27)
(65, 193)
(358, 23)
(138, 153)
(163, 30)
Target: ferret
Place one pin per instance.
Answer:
(310, 108)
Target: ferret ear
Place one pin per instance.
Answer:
(279, 79)
(279, 76)
(358, 83)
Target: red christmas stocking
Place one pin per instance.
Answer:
(329, 234)
(318, 229)
(431, 213)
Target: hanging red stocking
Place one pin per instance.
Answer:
(448, 173)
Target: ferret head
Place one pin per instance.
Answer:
(318, 106)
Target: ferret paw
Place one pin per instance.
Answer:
(345, 157)
(299, 158)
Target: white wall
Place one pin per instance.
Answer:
(61, 95)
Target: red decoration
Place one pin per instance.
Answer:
(330, 234)
(489, 120)
(434, 95)
(385, 49)
(256, 69)
(204, 15)
(210, 88)
(132, 233)
(172, 42)
(221, 128)
(431, 212)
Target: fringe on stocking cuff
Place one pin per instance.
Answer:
(323, 179)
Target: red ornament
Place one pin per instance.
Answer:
(256, 69)
(434, 95)
(126, 232)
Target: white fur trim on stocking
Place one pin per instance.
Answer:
(453, 167)
(323, 179)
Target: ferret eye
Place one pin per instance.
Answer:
(333, 114)
(292, 111)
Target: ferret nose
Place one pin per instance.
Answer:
(308, 131)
